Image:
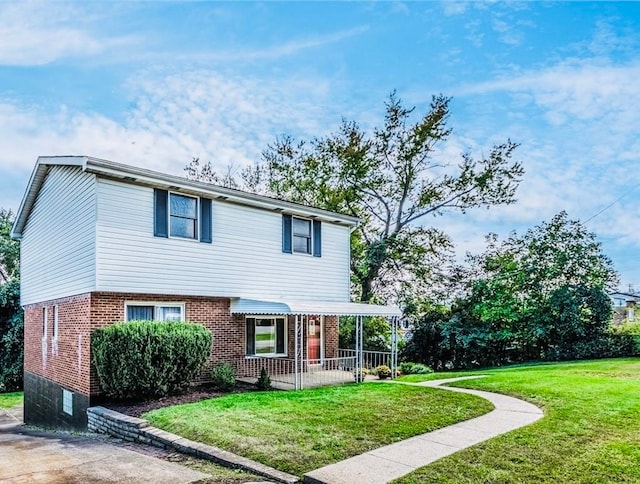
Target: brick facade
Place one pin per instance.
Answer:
(67, 361)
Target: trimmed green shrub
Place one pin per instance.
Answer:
(420, 369)
(264, 382)
(383, 372)
(147, 359)
(409, 368)
(406, 367)
(223, 376)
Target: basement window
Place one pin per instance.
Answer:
(67, 402)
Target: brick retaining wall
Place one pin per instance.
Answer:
(105, 421)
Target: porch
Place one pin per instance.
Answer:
(286, 328)
(312, 373)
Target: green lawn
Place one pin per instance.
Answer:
(300, 431)
(590, 433)
(8, 400)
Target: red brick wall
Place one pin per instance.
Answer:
(70, 366)
(79, 315)
(213, 313)
(331, 337)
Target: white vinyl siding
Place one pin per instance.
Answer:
(245, 258)
(58, 242)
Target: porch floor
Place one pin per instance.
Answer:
(310, 379)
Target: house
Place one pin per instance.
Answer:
(103, 242)
(624, 306)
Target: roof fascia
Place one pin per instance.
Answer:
(147, 177)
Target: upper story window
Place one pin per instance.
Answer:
(183, 216)
(301, 230)
(153, 311)
(301, 236)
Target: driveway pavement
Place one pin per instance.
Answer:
(33, 456)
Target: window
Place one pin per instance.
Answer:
(266, 336)
(152, 311)
(54, 340)
(301, 236)
(67, 402)
(55, 322)
(44, 323)
(183, 216)
(301, 230)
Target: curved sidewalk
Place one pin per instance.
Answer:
(390, 462)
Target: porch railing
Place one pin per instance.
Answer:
(312, 373)
(371, 359)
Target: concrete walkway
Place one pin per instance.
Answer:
(396, 460)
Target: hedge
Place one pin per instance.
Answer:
(147, 359)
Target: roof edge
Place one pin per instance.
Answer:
(35, 183)
(143, 175)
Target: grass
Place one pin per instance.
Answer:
(8, 400)
(300, 431)
(590, 433)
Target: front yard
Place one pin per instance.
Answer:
(300, 431)
(590, 433)
(8, 400)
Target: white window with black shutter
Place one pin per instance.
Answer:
(177, 215)
(301, 236)
(266, 336)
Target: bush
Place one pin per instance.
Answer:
(11, 337)
(223, 376)
(409, 368)
(147, 359)
(264, 382)
(383, 372)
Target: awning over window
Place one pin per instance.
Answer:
(326, 308)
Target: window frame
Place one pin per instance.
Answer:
(285, 335)
(56, 320)
(293, 235)
(197, 220)
(156, 305)
(45, 323)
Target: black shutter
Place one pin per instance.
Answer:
(160, 222)
(286, 234)
(205, 220)
(317, 238)
(280, 336)
(251, 336)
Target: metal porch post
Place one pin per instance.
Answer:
(295, 351)
(359, 363)
(301, 348)
(394, 346)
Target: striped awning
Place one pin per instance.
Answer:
(326, 308)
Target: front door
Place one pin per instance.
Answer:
(314, 340)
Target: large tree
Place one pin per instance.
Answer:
(392, 179)
(11, 315)
(545, 288)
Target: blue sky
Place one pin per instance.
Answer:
(154, 84)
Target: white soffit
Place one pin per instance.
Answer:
(326, 308)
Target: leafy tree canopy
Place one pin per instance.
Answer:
(9, 248)
(391, 179)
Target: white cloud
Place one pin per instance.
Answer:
(36, 33)
(225, 120)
